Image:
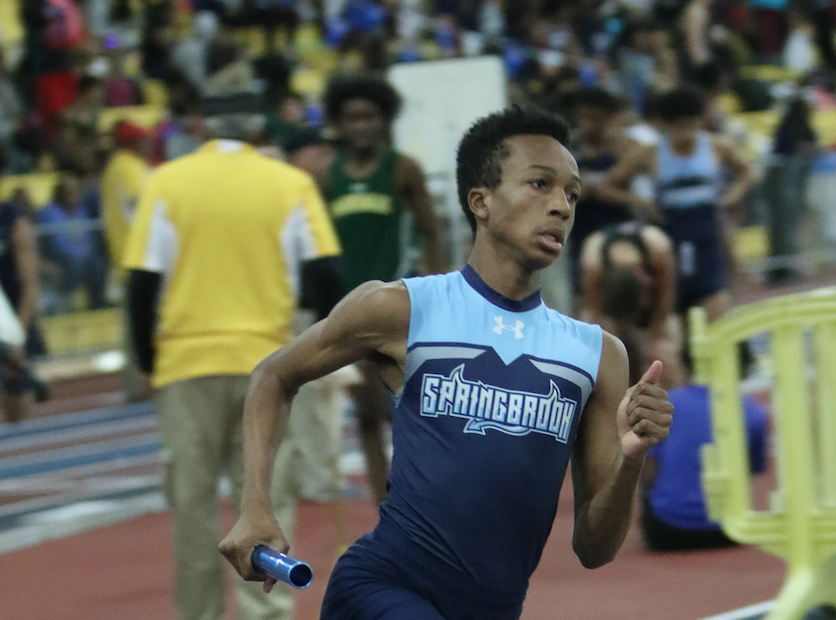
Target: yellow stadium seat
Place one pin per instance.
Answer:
(730, 103)
(39, 186)
(155, 93)
(10, 25)
(147, 116)
(325, 60)
(81, 332)
(824, 121)
(308, 41)
(763, 123)
(768, 73)
(751, 243)
(310, 83)
(251, 38)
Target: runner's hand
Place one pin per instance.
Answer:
(644, 415)
(249, 531)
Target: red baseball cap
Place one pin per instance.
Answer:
(126, 133)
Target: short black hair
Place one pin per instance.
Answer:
(622, 290)
(87, 83)
(597, 98)
(680, 103)
(481, 151)
(708, 76)
(651, 110)
(343, 88)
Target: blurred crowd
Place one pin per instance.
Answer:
(601, 64)
(81, 57)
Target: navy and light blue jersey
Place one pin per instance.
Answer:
(594, 213)
(483, 429)
(688, 182)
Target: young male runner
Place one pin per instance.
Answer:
(495, 393)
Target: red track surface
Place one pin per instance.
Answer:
(125, 572)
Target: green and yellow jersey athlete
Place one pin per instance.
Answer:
(376, 197)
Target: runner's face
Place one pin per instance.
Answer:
(532, 210)
(593, 123)
(683, 132)
(362, 124)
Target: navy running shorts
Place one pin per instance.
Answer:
(387, 576)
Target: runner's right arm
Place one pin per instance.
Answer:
(615, 188)
(372, 323)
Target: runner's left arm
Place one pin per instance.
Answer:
(736, 163)
(618, 427)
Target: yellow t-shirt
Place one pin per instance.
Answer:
(121, 182)
(228, 228)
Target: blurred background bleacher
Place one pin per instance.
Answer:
(147, 62)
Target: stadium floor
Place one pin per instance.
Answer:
(84, 534)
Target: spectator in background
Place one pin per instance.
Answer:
(785, 186)
(636, 58)
(97, 15)
(80, 127)
(20, 285)
(695, 26)
(180, 133)
(687, 167)
(190, 55)
(119, 89)
(48, 66)
(674, 517)
(710, 79)
(370, 187)
(628, 278)
(35, 344)
(286, 120)
(772, 26)
(822, 17)
(596, 148)
(275, 17)
(157, 38)
(122, 179)
(12, 111)
(228, 67)
(69, 243)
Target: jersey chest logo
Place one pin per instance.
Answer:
(487, 407)
(501, 326)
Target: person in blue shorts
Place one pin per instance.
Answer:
(494, 394)
(689, 166)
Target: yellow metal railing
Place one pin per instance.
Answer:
(800, 524)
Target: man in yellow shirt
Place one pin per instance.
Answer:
(228, 240)
(122, 179)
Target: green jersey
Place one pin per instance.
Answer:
(370, 222)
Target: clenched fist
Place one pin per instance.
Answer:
(644, 415)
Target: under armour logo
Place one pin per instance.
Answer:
(517, 329)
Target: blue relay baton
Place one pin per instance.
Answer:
(284, 568)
